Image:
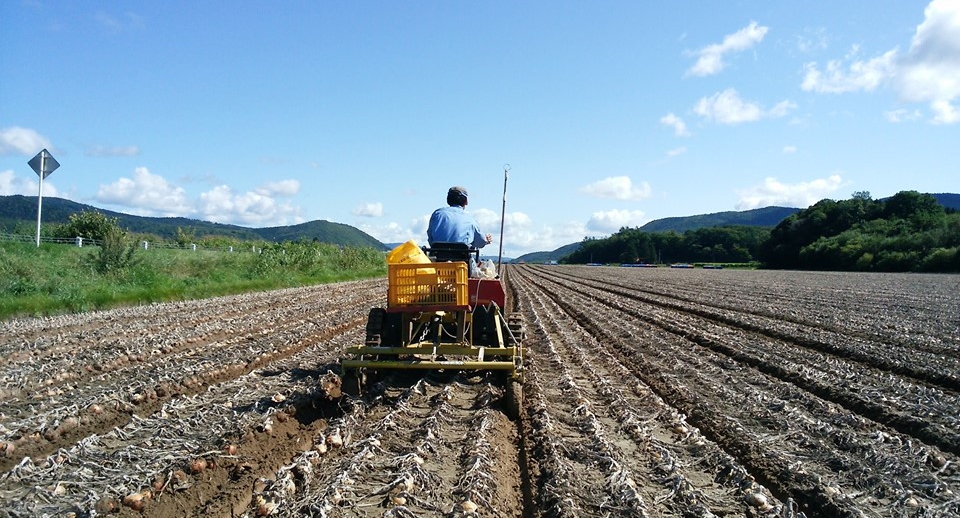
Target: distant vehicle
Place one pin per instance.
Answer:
(681, 265)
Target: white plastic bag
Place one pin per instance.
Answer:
(488, 270)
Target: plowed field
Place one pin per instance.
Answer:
(647, 392)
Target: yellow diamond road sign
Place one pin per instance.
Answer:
(44, 164)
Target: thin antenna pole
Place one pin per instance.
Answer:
(503, 213)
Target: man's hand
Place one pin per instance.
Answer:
(489, 238)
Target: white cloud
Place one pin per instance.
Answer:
(486, 219)
(369, 210)
(710, 60)
(679, 127)
(252, 208)
(522, 235)
(10, 184)
(618, 188)
(858, 75)
(902, 115)
(803, 194)
(676, 152)
(281, 188)
(613, 220)
(789, 150)
(394, 233)
(105, 151)
(727, 107)
(929, 72)
(812, 40)
(148, 194)
(944, 112)
(22, 141)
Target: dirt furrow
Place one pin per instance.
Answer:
(907, 406)
(921, 365)
(682, 474)
(712, 391)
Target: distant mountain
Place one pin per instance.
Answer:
(765, 217)
(18, 209)
(948, 200)
(543, 257)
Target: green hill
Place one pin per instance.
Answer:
(765, 217)
(543, 257)
(18, 209)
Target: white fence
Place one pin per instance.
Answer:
(145, 245)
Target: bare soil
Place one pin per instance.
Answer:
(647, 392)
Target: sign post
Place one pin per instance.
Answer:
(43, 164)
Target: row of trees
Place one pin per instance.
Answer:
(734, 244)
(907, 232)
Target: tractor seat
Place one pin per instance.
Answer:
(443, 252)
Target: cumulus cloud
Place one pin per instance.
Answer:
(679, 127)
(789, 150)
(710, 59)
(859, 75)
(106, 151)
(22, 141)
(369, 210)
(727, 107)
(253, 208)
(10, 184)
(929, 72)
(613, 220)
(803, 194)
(281, 188)
(618, 188)
(148, 194)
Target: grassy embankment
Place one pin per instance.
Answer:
(55, 279)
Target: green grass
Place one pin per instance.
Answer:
(56, 279)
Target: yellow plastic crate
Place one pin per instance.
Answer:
(417, 285)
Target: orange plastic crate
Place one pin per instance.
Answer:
(436, 284)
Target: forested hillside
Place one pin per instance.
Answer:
(765, 217)
(17, 210)
(907, 232)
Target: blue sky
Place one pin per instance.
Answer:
(610, 114)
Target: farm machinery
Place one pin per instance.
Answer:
(437, 318)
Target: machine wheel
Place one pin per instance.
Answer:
(514, 403)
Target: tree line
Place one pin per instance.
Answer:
(908, 232)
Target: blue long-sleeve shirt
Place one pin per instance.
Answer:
(453, 225)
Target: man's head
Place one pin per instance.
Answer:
(457, 196)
